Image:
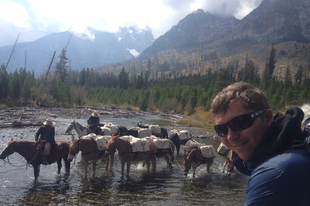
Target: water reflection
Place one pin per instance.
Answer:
(43, 192)
(168, 186)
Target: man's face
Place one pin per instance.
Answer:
(245, 141)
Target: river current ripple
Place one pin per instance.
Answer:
(168, 186)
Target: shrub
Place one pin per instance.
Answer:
(169, 104)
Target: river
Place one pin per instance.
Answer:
(168, 186)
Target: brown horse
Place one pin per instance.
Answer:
(168, 154)
(230, 157)
(195, 159)
(126, 155)
(31, 152)
(90, 152)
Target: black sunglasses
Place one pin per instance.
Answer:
(238, 123)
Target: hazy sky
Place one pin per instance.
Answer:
(33, 19)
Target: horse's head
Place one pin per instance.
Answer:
(71, 126)
(187, 164)
(111, 144)
(9, 149)
(231, 156)
(74, 148)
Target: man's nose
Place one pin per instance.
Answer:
(232, 135)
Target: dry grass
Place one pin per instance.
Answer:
(201, 119)
(204, 119)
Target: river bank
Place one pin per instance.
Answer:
(31, 116)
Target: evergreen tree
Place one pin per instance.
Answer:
(221, 80)
(15, 86)
(82, 77)
(288, 75)
(144, 103)
(299, 74)
(270, 66)
(272, 62)
(62, 67)
(251, 71)
(22, 75)
(139, 83)
(123, 78)
(25, 91)
(4, 83)
(290, 95)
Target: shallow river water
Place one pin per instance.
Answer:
(168, 186)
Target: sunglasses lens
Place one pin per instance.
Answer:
(240, 123)
(221, 130)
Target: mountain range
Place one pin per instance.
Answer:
(199, 42)
(273, 21)
(89, 49)
(202, 41)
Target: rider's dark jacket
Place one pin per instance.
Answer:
(46, 133)
(279, 167)
(93, 121)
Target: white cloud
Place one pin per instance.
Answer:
(14, 13)
(36, 18)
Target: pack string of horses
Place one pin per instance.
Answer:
(143, 143)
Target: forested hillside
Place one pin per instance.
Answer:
(183, 94)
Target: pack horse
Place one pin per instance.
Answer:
(93, 148)
(133, 149)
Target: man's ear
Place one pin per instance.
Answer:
(268, 116)
(303, 126)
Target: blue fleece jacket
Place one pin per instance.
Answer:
(279, 175)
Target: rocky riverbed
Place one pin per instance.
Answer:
(32, 115)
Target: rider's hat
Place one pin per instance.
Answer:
(95, 114)
(49, 122)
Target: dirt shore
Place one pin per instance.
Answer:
(32, 115)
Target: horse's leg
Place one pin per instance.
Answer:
(85, 168)
(123, 166)
(172, 156)
(153, 159)
(107, 159)
(167, 159)
(209, 163)
(178, 148)
(128, 168)
(36, 171)
(148, 164)
(194, 170)
(67, 164)
(225, 163)
(112, 156)
(59, 166)
(94, 167)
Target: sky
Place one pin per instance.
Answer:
(33, 19)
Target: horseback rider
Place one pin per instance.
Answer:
(93, 123)
(46, 134)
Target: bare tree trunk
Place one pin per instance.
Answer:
(42, 84)
(11, 53)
